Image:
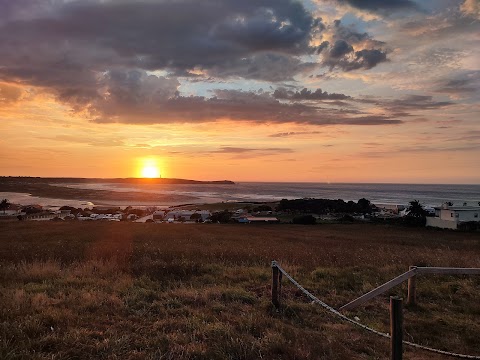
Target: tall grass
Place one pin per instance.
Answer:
(148, 291)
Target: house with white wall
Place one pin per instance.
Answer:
(449, 216)
(186, 214)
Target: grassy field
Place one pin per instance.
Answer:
(167, 291)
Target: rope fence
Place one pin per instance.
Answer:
(358, 324)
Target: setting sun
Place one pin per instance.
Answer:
(149, 169)
(150, 172)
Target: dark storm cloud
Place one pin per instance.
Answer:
(153, 35)
(342, 55)
(367, 59)
(324, 45)
(339, 49)
(381, 6)
(305, 94)
(98, 57)
(126, 101)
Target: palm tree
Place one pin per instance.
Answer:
(416, 209)
(4, 204)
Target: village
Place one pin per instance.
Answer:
(464, 216)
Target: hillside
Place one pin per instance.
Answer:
(145, 291)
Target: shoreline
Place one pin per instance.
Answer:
(24, 198)
(26, 192)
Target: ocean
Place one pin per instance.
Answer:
(430, 195)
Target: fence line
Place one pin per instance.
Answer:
(365, 327)
(410, 275)
(379, 290)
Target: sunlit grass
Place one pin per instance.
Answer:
(148, 291)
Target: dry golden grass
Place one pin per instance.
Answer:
(164, 291)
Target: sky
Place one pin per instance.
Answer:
(264, 90)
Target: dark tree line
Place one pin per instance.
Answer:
(325, 206)
(221, 216)
(4, 205)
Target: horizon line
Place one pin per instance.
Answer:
(241, 181)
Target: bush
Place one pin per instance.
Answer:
(221, 217)
(262, 208)
(305, 220)
(414, 221)
(468, 226)
(347, 219)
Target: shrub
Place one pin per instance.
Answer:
(468, 226)
(305, 220)
(347, 219)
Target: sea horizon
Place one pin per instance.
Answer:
(245, 181)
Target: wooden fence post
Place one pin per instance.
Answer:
(275, 287)
(280, 277)
(412, 288)
(396, 327)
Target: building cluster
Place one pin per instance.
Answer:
(40, 213)
(167, 215)
(450, 216)
(447, 216)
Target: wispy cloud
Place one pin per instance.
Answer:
(294, 133)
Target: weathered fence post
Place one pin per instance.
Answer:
(396, 327)
(280, 276)
(412, 288)
(275, 285)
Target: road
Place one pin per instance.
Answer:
(145, 218)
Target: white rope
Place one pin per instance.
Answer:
(365, 327)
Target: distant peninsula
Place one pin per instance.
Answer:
(71, 189)
(64, 180)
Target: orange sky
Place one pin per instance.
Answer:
(43, 138)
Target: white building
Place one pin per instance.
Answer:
(186, 214)
(449, 216)
(158, 215)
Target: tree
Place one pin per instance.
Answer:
(416, 215)
(221, 217)
(4, 204)
(416, 210)
(364, 205)
(262, 208)
(31, 210)
(304, 220)
(196, 217)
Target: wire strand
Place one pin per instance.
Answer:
(365, 327)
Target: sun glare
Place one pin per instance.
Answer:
(149, 169)
(150, 172)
